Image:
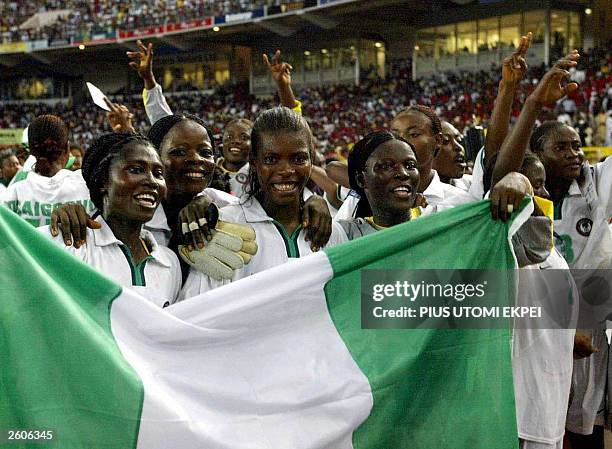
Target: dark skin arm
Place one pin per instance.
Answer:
(583, 345)
(281, 74)
(317, 221)
(321, 179)
(142, 62)
(548, 91)
(513, 71)
(338, 172)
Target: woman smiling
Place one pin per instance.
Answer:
(280, 163)
(125, 178)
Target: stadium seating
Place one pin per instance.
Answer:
(339, 115)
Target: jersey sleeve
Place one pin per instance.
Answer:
(476, 189)
(177, 278)
(155, 104)
(602, 173)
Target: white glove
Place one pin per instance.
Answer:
(231, 247)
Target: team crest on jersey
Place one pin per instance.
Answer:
(241, 178)
(584, 227)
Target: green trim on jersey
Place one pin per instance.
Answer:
(291, 245)
(558, 208)
(138, 276)
(20, 176)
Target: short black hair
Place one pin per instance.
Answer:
(99, 157)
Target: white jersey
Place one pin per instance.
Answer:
(342, 193)
(542, 359)
(158, 224)
(476, 189)
(439, 196)
(275, 245)
(462, 183)
(582, 233)
(237, 179)
(157, 278)
(34, 197)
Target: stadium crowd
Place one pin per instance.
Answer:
(89, 18)
(265, 197)
(340, 115)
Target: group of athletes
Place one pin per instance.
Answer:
(170, 215)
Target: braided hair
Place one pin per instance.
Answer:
(162, 127)
(48, 137)
(539, 135)
(99, 157)
(278, 119)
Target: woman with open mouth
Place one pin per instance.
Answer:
(236, 148)
(383, 171)
(280, 163)
(450, 162)
(125, 177)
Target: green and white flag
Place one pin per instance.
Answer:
(277, 360)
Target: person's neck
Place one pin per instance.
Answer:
(445, 179)
(232, 166)
(427, 176)
(557, 188)
(290, 215)
(128, 232)
(173, 204)
(388, 218)
(51, 171)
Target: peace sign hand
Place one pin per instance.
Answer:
(551, 88)
(280, 71)
(514, 66)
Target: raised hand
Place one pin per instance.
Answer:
(514, 66)
(280, 71)
(551, 87)
(119, 117)
(142, 62)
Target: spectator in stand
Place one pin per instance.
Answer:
(9, 165)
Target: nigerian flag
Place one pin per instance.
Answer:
(277, 360)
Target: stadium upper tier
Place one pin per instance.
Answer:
(30, 20)
(342, 114)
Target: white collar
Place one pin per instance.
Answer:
(105, 237)
(254, 211)
(435, 187)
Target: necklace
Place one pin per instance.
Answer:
(414, 213)
(144, 245)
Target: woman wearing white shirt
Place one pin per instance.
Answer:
(125, 177)
(49, 184)
(280, 163)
